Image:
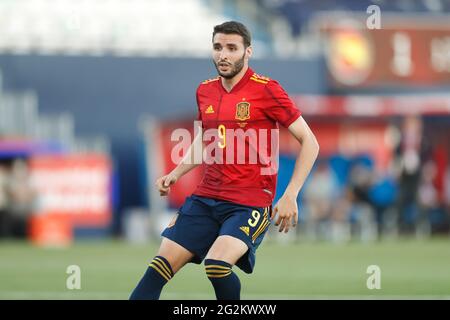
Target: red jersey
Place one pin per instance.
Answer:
(253, 109)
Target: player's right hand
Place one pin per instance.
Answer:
(163, 184)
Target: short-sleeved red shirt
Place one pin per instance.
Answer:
(242, 119)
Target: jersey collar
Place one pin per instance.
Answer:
(241, 82)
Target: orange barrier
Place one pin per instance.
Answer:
(53, 230)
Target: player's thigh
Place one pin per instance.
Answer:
(242, 230)
(177, 255)
(227, 248)
(194, 231)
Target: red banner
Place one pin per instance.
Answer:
(75, 186)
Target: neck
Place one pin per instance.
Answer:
(228, 84)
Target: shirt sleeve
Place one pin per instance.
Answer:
(199, 112)
(280, 108)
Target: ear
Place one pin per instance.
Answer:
(249, 51)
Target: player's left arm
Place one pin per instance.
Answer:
(286, 207)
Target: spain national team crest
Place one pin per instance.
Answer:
(243, 111)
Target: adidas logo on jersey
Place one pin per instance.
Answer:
(245, 229)
(209, 109)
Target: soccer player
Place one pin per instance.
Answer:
(224, 221)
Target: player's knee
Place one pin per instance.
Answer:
(176, 255)
(227, 248)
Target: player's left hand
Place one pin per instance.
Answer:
(287, 210)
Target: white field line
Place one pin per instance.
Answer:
(80, 294)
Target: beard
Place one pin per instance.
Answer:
(235, 68)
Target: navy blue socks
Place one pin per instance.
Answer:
(157, 275)
(225, 282)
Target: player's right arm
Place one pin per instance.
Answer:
(186, 164)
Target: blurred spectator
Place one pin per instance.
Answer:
(16, 199)
(4, 226)
(428, 200)
(409, 171)
(447, 193)
(320, 196)
(22, 195)
(340, 226)
(362, 214)
(383, 194)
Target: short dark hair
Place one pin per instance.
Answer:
(234, 27)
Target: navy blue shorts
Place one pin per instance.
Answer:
(201, 220)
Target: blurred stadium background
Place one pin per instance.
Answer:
(90, 92)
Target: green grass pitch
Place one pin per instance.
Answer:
(111, 269)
